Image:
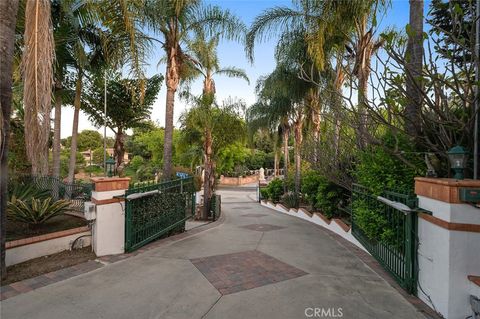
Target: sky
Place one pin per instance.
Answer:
(231, 54)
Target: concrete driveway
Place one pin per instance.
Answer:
(256, 264)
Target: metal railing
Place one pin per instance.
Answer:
(215, 207)
(384, 225)
(77, 193)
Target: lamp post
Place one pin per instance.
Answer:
(458, 160)
(110, 167)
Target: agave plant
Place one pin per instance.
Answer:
(26, 192)
(35, 211)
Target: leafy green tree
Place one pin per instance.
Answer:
(89, 139)
(231, 157)
(127, 106)
(217, 122)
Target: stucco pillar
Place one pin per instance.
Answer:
(449, 246)
(108, 230)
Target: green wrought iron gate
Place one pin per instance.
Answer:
(388, 232)
(153, 210)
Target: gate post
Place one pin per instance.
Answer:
(449, 241)
(108, 232)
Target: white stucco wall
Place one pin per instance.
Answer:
(333, 226)
(20, 254)
(447, 257)
(109, 229)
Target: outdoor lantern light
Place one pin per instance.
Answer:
(458, 160)
(110, 164)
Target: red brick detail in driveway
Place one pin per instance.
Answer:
(236, 272)
(262, 227)
(254, 215)
(30, 284)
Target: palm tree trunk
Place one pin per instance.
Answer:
(38, 57)
(298, 137)
(275, 160)
(414, 66)
(119, 147)
(285, 156)
(172, 80)
(76, 113)
(168, 142)
(8, 18)
(207, 179)
(57, 130)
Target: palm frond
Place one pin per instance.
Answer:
(273, 22)
(233, 72)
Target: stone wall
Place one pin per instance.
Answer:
(236, 181)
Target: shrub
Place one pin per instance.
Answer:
(274, 190)
(378, 169)
(309, 186)
(328, 198)
(255, 160)
(35, 211)
(290, 199)
(136, 162)
(371, 220)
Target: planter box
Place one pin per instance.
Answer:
(24, 249)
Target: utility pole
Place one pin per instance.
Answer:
(105, 129)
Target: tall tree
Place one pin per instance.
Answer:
(8, 19)
(106, 33)
(210, 125)
(414, 66)
(173, 20)
(205, 62)
(127, 106)
(38, 58)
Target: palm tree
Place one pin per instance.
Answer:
(38, 58)
(204, 60)
(282, 94)
(212, 124)
(414, 66)
(107, 32)
(339, 22)
(8, 18)
(173, 20)
(84, 59)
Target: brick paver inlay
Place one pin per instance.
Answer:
(262, 227)
(254, 215)
(236, 272)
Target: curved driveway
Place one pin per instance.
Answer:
(276, 267)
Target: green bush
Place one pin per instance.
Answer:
(378, 169)
(329, 196)
(136, 162)
(255, 160)
(371, 220)
(35, 211)
(274, 190)
(309, 186)
(290, 199)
